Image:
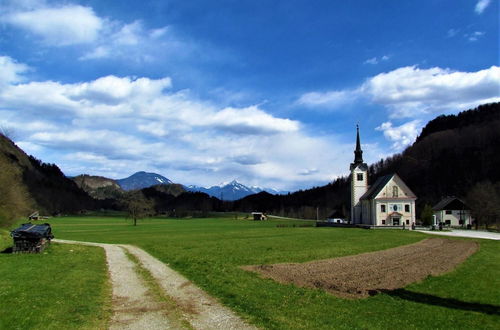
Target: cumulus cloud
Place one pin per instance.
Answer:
(481, 5)
(114, 126)
(59, 26)
(11, 71)
(409, 91)
(402, 135)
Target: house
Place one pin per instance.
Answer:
(387, 202)
(452, 211)
(336, 217)
(34, 216)
(259, 216)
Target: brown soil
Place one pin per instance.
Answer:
(366, 274)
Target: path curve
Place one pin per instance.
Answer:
(133, 308)
(465, 233)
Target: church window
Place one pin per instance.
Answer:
(448, 211)
(394, 207)
(395, 192)
(360, 176)
(407, 221)
(407, 207)
(382, 208)
(383, 222)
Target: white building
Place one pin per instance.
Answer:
(452, 211)
(388, 202)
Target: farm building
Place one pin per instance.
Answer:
(258, 216)
(336, 217)
(452, 211)
(388, 202)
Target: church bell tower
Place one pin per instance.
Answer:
(359, 181)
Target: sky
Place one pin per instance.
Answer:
(265, 92)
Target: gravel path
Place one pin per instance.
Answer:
(465, 233)
(135, 308)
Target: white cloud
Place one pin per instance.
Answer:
(11, 71)
(402, 135)
(117, 125)
(59, 26)
(372, 60)
(474, 36)
(376, 60)
(97, 37)
(250, 120)
(332, 99)
(481, 5)
(409, 91)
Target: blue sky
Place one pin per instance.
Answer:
(265, 92)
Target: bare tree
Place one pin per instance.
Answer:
(484, 203)
(138, 206)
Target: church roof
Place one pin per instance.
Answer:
(381, 182)
(377, 186)
(450, 203)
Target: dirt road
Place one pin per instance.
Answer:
(135, 306)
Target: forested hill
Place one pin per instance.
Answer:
(452, 154)
(28, 184)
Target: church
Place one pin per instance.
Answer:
(387, 202)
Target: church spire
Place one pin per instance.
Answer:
(358, 153)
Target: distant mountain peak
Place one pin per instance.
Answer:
(141, 180)
(231, 190)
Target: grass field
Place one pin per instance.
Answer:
(64, 287)
(210, 251)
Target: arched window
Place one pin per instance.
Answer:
(395, 192)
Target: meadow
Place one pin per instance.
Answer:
(211, 251)
(64, 287)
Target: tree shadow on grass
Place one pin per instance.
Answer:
(428, 299)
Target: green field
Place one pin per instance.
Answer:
(210, 251)
(64, 287)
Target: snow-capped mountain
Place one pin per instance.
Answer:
(231, 191)
(228, 191)
(141, 180)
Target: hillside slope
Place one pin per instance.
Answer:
(98, 187)
(48, 188)
(452, 154)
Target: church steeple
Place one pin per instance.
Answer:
(358, 153)
(359, 181)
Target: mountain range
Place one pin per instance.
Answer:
(101, 187)
(233, 190)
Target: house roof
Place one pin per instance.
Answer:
(450, 203)
(377, 186)
(337, 214)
